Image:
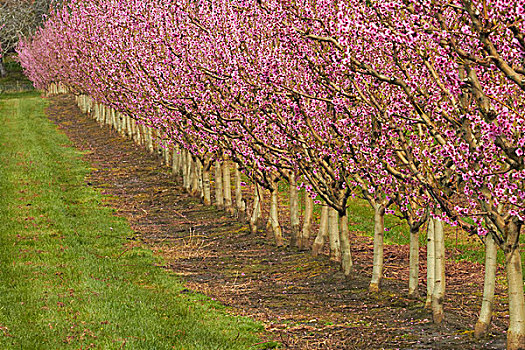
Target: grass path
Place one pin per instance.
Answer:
(70, 276)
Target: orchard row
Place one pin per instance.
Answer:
(416, 106)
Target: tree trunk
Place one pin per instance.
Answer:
(175, 163)
(111, 118)
(379, 229)
(119, 121)
(116, 121)
(346, 261)
(143, 140)
(200, 184)
(431, 263)
(489, 285)
(186, 168)
(133, 129)
(257, 212)
(206, 188)
(227, 187)
(274, 216)
(307, 222)
(149, 139)
(102, 110)
(106, 115)
(239, 202)
(322, 235)
(516, 331)
(123, 124)
(3, 71)
(127, 123)
(103, 113)
(195, 177)
(413, 291)
(166, 151)
(294, 212)
(439, 273)
(157, 143)
(96, 112)
(333, 233)
(219, 199)
(136, 132)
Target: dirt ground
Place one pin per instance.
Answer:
(304, 302)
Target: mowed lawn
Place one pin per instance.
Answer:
(70, 277)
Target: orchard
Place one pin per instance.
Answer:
(415, 106)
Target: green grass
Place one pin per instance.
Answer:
(69, 277)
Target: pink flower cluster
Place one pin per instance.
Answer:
(416, 101)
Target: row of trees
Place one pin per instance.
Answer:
(412, 103)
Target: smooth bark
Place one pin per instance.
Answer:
(333, 233)
(274, 217)
(219, 194)
(413, 280)
(195, 177)
(257, 211)
(206, 188)
(177, 157)
(96, 112)
(346, 252)
(3, 71)
(438, 294)
(143, 135)
(322, 234)
(149, 139)
(379, 229)
(516, 331)
(166, 152)
(227, 187)
(307, 222)
(133, 131)
(294, 211)
(200, 185)
(431, 263)
(186, 168)
(489, 286)
(240, 204)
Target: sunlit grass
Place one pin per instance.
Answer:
(71, 275)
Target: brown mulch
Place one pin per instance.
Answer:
(304, 302)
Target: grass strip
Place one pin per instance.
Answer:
(72, 276)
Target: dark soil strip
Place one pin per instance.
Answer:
(304, 302)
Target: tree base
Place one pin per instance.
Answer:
(230, 211)
(438, 318)
(373, 288)
(413, 294)
(316, 249)
(481, 329)
(515, 341)
(241, 216)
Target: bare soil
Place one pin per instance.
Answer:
(303, 302)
